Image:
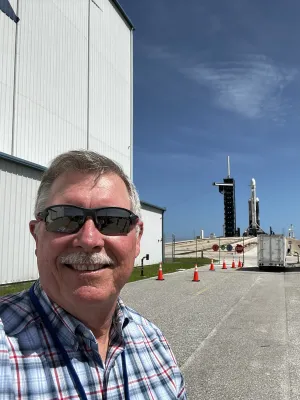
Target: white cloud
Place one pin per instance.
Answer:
(252, 88)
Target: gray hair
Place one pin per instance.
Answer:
(83, 161)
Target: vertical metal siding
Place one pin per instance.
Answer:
(131, 105)
(17, 195)
(7, 49)
(110, 84)
(51, 108)
(152, 236)
(99, 3)
(51, 103)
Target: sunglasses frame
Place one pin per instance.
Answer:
(89, 212)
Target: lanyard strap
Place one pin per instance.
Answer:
(72, 372)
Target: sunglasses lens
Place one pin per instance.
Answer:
(114, 221)
(63, 220)
(113, 225)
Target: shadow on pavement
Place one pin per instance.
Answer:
(271, 269)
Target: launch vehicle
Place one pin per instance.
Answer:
(254, 228)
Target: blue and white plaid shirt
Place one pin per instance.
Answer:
(32, 368)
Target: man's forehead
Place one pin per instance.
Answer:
(69, 178)
(84, 181)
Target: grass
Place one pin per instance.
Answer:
(168, 267)
(149, 272)
(14, 287)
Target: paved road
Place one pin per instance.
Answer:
(235, 334)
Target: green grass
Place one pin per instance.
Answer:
(167, 267)
(149, 272)
(14, 287)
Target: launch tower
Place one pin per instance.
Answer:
(227, 188)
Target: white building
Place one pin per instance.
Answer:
(152, 242)
(65, 83)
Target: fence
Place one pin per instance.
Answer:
(217, 248)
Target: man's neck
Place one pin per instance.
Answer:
(101, 330)
(97, 317)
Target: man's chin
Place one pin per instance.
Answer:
(93, 294)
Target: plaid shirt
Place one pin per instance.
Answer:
(32, 368)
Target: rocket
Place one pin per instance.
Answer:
(254, 221)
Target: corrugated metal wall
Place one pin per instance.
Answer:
(110, 78)
(51, 103)
(151, 242)
(7, 57)
(69, 64)
(73, 74)
(17, 195)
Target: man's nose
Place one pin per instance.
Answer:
(89, 238)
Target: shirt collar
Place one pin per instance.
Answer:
(66, 325)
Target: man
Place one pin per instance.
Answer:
(70, 336)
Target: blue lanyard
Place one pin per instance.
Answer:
(72, 372)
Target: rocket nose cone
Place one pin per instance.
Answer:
(253, 183)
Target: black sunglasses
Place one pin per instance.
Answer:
(70, 219)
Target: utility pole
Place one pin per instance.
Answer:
(173, 247)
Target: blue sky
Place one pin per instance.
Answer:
(214, 78)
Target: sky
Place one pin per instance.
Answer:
(212, 79)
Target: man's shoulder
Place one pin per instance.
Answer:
(15, 312)
(142, 325)
(144, 338)
(137, 318)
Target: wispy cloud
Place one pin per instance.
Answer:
(252, 88)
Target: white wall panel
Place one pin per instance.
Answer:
(53, 110)
(99, 3)
(110, 84)
(51, 104)
(17, 196)
(152, 236)
(7, 51)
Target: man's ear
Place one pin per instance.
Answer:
(32, 228)
(140, 227)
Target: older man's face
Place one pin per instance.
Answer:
(65, 285)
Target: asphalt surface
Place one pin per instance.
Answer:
(235, 334)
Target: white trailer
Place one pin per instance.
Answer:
(271, 251)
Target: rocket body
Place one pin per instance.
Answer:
(253, 204)
(254, 218)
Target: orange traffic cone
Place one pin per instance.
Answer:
(240, 264)
(160, 276)
(224, 264)
(233, 264)
(212, 267)
(196, 275)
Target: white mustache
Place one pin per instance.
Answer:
(84, 258)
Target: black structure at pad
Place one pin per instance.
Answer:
(227, 188)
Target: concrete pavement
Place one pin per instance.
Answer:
(235, 334)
